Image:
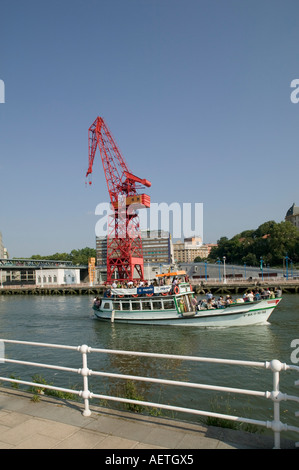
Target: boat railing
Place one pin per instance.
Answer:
(275, 396)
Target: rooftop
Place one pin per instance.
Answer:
(293, 210)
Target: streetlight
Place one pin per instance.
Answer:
(245, 270)
(287, 267)
(219, 262)
(206, 270)
(262, 268)
(224, 273)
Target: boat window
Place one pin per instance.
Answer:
(146, 305)
(116, 305)
(157, 305)
(126, 305)
(136, 305)
(168, 304)
(106, 305)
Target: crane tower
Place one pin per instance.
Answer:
(124, 245)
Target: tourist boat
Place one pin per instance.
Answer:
(168, 305)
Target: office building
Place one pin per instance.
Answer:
(156, 245)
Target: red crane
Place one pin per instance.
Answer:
(124, 245)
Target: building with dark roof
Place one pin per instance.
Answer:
(292, 215)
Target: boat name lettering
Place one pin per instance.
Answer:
(145, 290)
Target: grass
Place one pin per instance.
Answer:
(221, 406)
(40, 390)
(129, 390)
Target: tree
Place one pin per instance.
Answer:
(76, 256)
(272, 241)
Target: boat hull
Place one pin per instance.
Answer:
(250, 313)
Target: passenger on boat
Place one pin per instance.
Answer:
(202, 304)
(264, 294)
(257, 295)
(272, 295)
(182, 305)
(278, 292)
(194, 303)
(209, 295)
(210, 304)
(97, 302)
(228, 300)
(250, 296)
(220, 302)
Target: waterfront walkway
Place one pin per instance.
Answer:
(200, 287)
(58, 424)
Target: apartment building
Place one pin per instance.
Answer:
(186, 251)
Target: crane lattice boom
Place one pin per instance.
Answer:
(124, 245)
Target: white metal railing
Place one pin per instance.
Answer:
(275, 395)
(255, 280)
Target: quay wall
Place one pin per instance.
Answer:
(200, 288)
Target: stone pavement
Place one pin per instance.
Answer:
(59, 424)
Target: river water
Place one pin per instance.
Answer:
(69, 320)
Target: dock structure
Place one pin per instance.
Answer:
(233, 287)
(53, 290)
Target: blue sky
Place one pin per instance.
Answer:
(195, 92)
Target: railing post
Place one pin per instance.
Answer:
(276, 425)
(297, 412)
(86, 394)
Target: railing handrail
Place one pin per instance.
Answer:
(275, 395)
